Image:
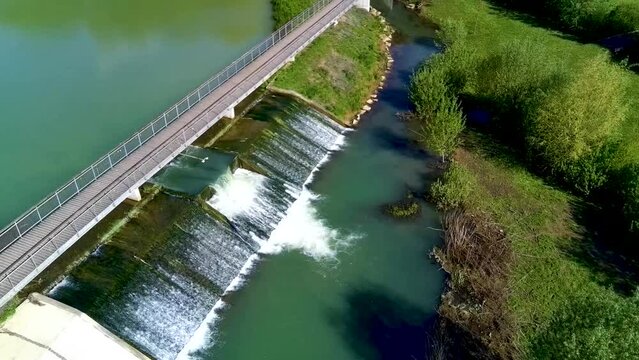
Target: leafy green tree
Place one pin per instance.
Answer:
(428, 88)
(574, 126)
(285, 10)
(440, 132)
(514, 74)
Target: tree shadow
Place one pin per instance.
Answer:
(604, 248)
(601, 242)
(623, 48)
(401, 144)
(378, 325)
(595, 326)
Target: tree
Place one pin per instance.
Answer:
(575, 124)
(440, 132)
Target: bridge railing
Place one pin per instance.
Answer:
(19, 227)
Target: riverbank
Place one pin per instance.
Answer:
(342, 68)
(540, 264)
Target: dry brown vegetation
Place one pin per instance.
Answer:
(479, 259)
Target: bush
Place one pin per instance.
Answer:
(513, 76)
(285, 10)
(453, 189)
(592, 19)
(428, 88)
(624, 18)
(574, 127)
(433, 92)
(404, 209)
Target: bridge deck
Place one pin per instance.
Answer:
(25, 258)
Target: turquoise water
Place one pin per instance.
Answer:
(79, 76)
(335, 277)
(376, 296)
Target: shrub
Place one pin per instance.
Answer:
(511, 78)
(404, 209)
(624, 18)
(433, 91)
(429, 88)
(285, 10)
(592, 19)
(574, 126)
(453, 189)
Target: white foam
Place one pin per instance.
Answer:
(303, 230)
(237, 194)
(67, 282)
(300, 229)
(204, 334)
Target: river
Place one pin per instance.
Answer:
(80, 76)
(285, 214)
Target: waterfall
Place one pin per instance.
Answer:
(253, 203)
(159, 283)
(154, 286)
(296, 142)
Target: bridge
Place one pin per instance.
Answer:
(38, 237)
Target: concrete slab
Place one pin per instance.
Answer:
(43, 329)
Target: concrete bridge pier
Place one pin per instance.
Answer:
(135, 195)
(363, 4)
(229, 113)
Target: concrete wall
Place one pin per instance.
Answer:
(43, 328)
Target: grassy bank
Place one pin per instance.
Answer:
(554, 127)
(589, 19)
(525, 287)
(342, 67)
(285, 10)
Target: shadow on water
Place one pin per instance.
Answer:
(378, 325)
(390, 141)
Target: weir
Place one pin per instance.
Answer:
(155, 283)
(38, 237)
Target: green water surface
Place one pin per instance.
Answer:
(377, 298)
(79, 76)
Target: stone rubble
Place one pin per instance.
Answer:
(386, 39)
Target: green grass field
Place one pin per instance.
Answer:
(347, 59)
(564, 305)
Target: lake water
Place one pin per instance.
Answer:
(77, 77)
